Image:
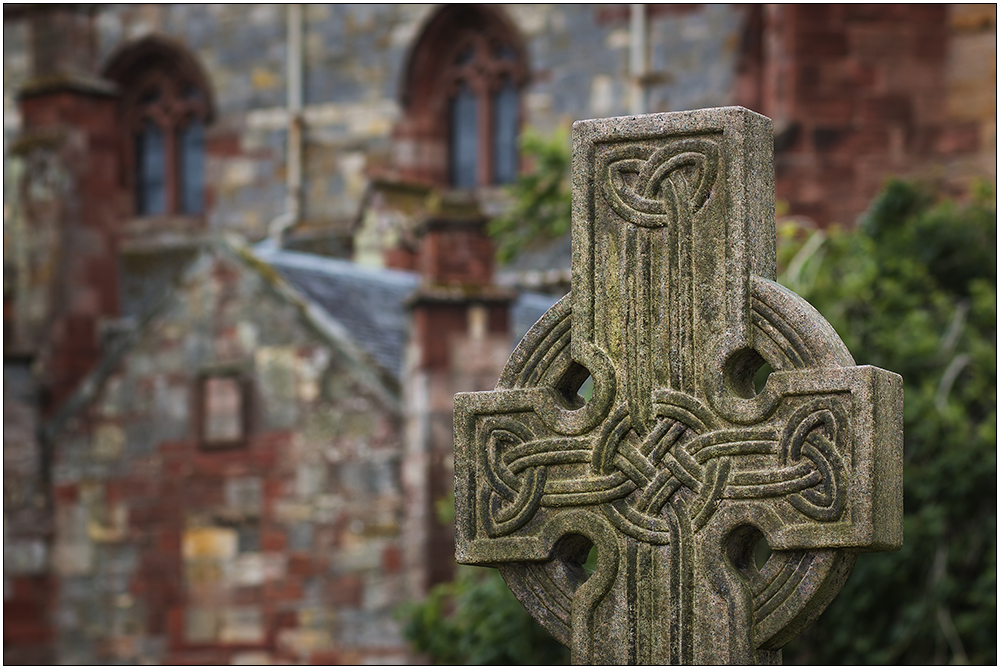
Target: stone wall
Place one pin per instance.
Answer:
(860, 93)
(867, 91)
(68, 212)
(971, 79)
(28, 586)
(354, 58)
(285, 547)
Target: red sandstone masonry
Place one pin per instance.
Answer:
(90, 153)
(867, 82)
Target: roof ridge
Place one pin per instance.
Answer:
(367, 370)
(311, 261)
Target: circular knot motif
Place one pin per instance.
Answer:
(650, 187)
(815, 437)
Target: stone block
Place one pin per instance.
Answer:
(302, 564)
(273, 540)
(318, 617)
(345, 591)
(382, 591)
(213, 543)
(245, 496)
(284, 590)
(25, 556)
(277, 385)
(241, 625)
(959, 138)
(392, 559)
(252, 658)
(108, 442)
(72, 553)
(204, 574)
(286, 511)
(245, 570)
(302, 643)
(366, 630)
(310, 479)
(108, 523)
(888, 109)
(201, 625)
(249, 538)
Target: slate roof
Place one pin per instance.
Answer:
(527, 309)
(370, 302)
(367, 301)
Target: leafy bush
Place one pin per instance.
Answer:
(914, 290)
(541, 197)
(476, 619)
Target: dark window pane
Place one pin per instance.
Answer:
(464, 140)
(191, 167)
(465, 57)
(150, 192)
(223, 409)
(505, 52)
(150, 95)
(505, 134)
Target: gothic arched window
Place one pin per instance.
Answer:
(463, 100)
(165, 106)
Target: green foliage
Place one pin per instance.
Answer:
(913, 290)
(476, 619)
(541, 206)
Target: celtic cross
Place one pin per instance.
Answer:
(676, 466)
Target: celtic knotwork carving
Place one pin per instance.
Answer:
(816, 435)
(636, 478)
(652, 187)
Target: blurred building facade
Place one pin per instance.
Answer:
(245, 271)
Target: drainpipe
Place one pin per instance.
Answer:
(293, 184)
(637, 57)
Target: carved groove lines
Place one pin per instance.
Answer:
(658, 193)
(638, 324)
(555, 338)
(769, 593)
(680, 290)
(681, 583)
(781, 335)
(560, 600)
(632, 598)
(643, 583)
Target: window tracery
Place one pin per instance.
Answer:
(463, 99)
(165, 107)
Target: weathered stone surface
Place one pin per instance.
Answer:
(676, 467)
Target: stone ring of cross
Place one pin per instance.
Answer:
(676, 466)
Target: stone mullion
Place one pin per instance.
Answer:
(171, 177)
(485, 154)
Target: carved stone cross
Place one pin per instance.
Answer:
(675, 467)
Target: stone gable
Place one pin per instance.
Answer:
(284, 546)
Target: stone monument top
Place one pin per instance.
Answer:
(676, 467)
